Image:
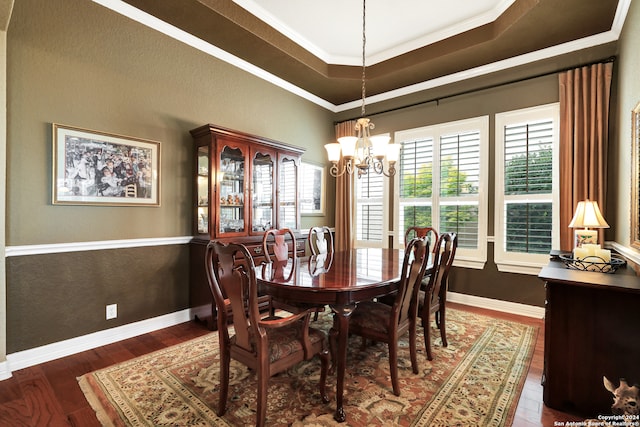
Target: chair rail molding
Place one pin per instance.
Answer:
(54, 248)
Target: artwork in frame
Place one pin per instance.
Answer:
(99, 168)
(635, 178)
(312, 191)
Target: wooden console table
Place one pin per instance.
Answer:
(592, 323)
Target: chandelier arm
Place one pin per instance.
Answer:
(378, 167)
(392, 171)
(335, 171)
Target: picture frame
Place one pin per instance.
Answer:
(312, 189)
(635, 178)
(104, 169)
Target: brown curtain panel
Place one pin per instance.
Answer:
(345, 197)
(584, 131)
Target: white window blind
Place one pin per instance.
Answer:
(526, 208)
(287, 194)
(416, 184)
(442, 180)
(459, 186)
(370, 212)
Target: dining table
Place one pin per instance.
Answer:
(340, 280)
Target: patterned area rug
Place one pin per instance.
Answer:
(475, 381)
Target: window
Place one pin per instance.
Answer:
(526, 213)
(372, 197)
(287, 194)
(441, 182)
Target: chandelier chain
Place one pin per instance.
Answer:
(364, 43)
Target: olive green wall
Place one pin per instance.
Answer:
(628, 96)
(74, 62)
(55, 297)
(77, 63)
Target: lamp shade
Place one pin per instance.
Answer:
(588, 215)
(393, 152)
(379, 145)
(333, 151)
(348, 145)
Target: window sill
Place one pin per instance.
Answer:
(520, 267)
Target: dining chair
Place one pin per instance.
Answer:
(276, 251)
(268, 345)
(321, 247)
(433, 298)
(320, 240)
(432, 235)
(430, 232)
(280, 259)
(380, 322)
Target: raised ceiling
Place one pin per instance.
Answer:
(316, 45)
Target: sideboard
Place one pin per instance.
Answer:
(592, 329)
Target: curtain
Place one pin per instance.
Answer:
(345, 197)
(584, 131)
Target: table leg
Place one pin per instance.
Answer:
(340, 337)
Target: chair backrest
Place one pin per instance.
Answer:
(447, 245)
(320, 240)
(276, 251)
(429, 232)
(232, 280)
(414, 265)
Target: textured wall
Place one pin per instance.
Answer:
(77, 63)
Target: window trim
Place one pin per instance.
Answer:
(465, 257)
(512, 262)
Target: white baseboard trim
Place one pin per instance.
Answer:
(497, 305)
(46, 353)
(5, 372)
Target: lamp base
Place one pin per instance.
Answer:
(585, 237)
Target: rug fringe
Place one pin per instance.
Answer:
(94, 401)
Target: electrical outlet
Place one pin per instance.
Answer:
(112, 311)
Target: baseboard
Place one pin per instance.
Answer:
(497, 305)
(5, 372)
(46, 353)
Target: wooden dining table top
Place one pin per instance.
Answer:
(345, 278)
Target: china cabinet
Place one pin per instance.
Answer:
(244, 185)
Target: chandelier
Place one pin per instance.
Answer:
(363, 152)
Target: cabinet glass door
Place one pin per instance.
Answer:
(262, 213)
(202, 191)
(231, 194)
(288, 194)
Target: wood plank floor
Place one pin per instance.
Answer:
(49, 395)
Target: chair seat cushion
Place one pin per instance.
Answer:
(371, 315)
(286, 341)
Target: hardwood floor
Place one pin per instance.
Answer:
(48, 394)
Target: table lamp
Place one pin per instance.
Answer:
(587, 216)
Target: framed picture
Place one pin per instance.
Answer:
(312, 191)
(97, 168)
(635, 178)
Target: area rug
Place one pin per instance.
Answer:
(475, 381)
